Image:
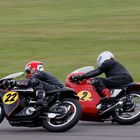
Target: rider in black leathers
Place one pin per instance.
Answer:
(40, 81)
(36, 78)
(116, 74)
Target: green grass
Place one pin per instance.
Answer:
(68, 34)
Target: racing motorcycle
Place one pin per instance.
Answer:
(19, 106)
(123, 107)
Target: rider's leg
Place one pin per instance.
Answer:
(101, 88)
(39, 90)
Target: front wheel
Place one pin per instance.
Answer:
(70, 114)
(1, 113)
(129, 113)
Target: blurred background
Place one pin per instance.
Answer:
(68, 34)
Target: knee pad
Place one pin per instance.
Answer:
(97, 82)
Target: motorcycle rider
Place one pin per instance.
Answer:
(116, 75)
(40, 81)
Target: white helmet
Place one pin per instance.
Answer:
(106, 55)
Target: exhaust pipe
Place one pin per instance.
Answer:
(117, 105)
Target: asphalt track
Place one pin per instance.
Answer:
(82, 131)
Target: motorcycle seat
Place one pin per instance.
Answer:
(116, 91)
(127, 85)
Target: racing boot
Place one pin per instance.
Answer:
(107, 95)
(105, 101)
(41, 94)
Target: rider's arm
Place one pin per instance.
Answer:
(99, 70)
(92, 73)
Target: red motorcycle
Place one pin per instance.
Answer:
(123, 108)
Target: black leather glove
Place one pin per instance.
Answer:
(33, 82)
(5, 83)
(76, 79)
(8, 83)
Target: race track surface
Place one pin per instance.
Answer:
(82, 131)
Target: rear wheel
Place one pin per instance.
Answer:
(129, 113)
(70, 113)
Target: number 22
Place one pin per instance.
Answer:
(10, 97)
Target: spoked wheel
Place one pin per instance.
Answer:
(69, 113)
(129, 113)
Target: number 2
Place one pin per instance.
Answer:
(84, 95)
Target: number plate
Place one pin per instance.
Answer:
(10, 97)
(85, 96)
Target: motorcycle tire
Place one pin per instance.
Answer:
(1, 113)
(128, 121)
(59, 124)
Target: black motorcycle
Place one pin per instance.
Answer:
(19, 106)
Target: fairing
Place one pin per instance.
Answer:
(89, 98)
(10, 101)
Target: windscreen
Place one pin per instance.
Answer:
(13, 75)
(84, 69)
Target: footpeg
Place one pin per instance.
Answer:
(99, 106)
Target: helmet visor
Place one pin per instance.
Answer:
(28, 73)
